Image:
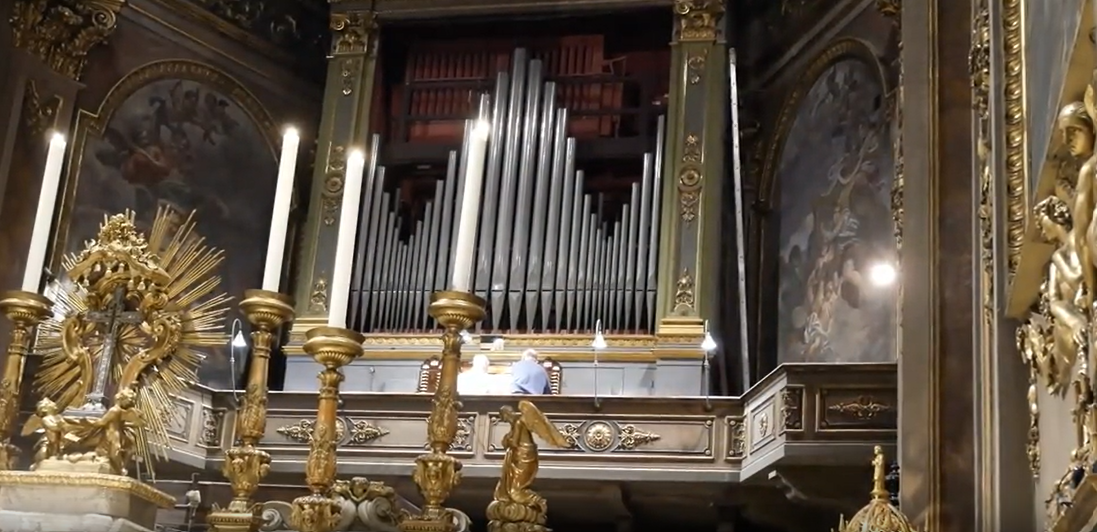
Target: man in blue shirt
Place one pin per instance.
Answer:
(528, 377)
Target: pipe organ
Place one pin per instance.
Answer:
(551, 255)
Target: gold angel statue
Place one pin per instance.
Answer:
(133, 315)
(1063, 287)
(515, 506)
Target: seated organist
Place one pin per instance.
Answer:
(528, 376)
(478, 380)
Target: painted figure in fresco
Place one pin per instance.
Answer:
(835, 172)
(156, 154)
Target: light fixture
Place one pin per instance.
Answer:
(238, 341)
(708, 344)
(498, 344)
(466, 337)
(882, 274)
(599, 342)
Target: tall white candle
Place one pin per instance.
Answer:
(344, 247)
(279, 220)
(43, 218)
(465, 247)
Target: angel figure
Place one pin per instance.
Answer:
(47, 420)
(516, 507)
(111, 438)
(1063, 286)
(1076, 123)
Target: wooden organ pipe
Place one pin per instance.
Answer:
(550, 257)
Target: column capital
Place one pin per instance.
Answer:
(352, 32)
(62, 32)
(698, 20)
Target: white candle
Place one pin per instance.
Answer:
(279, 220)
(465, 247)
(344, 247)
(43, 219)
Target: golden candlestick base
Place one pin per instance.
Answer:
(245, 464)
(437, 473)
(333, 348)
(25, 310)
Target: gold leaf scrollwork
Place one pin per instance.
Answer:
(334, 177)
(62, 32)
(350, 67)
(1015, 146)
(689, 193)
(698, 19)
(363, 432)
(864, 408)
(684, 299)
(695, 66)
(39, 113)
(318, 296)
(351, 32)
(632, 437)
(303, 430)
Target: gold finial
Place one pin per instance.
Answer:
(879, 491)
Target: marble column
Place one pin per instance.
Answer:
(45, 56)
(344, 126)
(940, 201)
(689, 248)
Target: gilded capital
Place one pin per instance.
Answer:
(352, 32)
(698, 19)
(62, 32)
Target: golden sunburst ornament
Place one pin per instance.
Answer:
(133, 316)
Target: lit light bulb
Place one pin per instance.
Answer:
(238, 341)
(599, 342)
(482, 129)
(882, 274)
(708, 345)
(466, 338)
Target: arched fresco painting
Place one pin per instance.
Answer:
(834, 178)
(182, 136)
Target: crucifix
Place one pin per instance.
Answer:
(111, 318)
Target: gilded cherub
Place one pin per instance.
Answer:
(111, 437)
(1063, 287)
(1076, 125)
(47, 419)
(516, 507)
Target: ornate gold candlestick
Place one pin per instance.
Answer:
(437, 473)
(246, 464)
(333, 348)
(25, 310)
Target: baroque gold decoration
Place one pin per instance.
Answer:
(318, 299)
(515, 507)
(864, 408)
(792, 401)
(133, 314)
(25, 310)
(62, 32)
(352, 32)
(332, 348)
(684, 299)
(1016, 155)
(301, 432)
(333, 184)
(878, 515)
(39, 113)
(363, 432)
(245, 464)
(437, 473)
(695, 65)
(604, 436)
(698, 19)
(690, 177)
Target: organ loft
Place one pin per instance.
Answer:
(573, 265)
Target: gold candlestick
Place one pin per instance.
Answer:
(437, 473)
(333, 348)
(25, 310)
(246, 464)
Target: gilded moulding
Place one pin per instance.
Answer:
(39, 112)
(62, 32)
(698, 20)
(1016, 155)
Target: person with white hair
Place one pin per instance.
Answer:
(476, 380)
(528, 376)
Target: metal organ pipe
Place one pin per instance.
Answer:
(551, 255)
